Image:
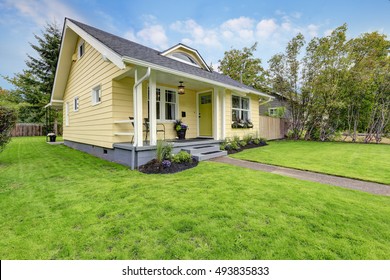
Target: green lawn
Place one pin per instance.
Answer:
(58, 203)
(361, 161)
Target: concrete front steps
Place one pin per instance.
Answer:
(205, 152)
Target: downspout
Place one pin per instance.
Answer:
(146, 76)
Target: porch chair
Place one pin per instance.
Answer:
(146, 128)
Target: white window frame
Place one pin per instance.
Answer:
(76, 104)
(67, 114)
(96, 95)
(273, 109)
(163, 101)
(241, 109)
(81, 46)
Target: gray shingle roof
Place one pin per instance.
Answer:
(126, 48)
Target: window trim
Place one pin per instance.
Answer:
(241, 109)
(74, 104)
(163, 102)
(80, 44)
(273, 108)
(93, 95)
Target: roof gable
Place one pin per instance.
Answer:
(186, 54)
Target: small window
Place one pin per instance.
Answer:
(76, 104)
(96, 95)
(81, 49)
(273, 112)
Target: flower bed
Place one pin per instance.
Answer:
(155, 167)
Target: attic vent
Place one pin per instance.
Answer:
(184, 58)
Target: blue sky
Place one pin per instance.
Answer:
(210, 26)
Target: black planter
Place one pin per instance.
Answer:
(181, 134)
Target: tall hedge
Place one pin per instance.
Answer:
(7, 122)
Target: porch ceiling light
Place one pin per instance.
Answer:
(181, 88)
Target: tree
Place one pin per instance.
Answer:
(240, 65)
(7, 122)
(34, 85)
(285, 79)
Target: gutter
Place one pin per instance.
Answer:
(147, 75)
(269, 100)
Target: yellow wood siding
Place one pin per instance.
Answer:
(91, 124)
(254, 112)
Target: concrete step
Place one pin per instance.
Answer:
(201, 149)
(210, 155)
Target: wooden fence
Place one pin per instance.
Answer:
(272, 128)
(28, 129)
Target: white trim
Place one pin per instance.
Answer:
(223, 113)
(183, 61)
(240, 109)
(152, 109)
(100, 47)
(215, 114)
(130, 60)
(178, 46)
(81, 43)
(93, 95)
(74, 104)
(67, 114)
(269, 111)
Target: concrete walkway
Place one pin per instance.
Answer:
(374, 188)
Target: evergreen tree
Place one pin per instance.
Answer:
(34, 85)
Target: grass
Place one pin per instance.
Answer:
(369, 162)
(58, 203)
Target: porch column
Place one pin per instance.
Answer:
(216, 114)
(152, 109)
(223, 114)
(137, 103)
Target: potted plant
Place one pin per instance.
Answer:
(181, 129)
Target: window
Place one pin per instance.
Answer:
(81, 49)
(76, 104)
(183, 57)
(166, 104)
(273, 112)
(96, 95)
(240, 108)
(67, 113)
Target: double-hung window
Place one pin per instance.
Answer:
(166, 104)
(96, 95)
(240, 108)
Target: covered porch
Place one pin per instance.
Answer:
(141, 94)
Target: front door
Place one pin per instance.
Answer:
(205, 114)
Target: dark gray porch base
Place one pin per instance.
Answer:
(122, 152)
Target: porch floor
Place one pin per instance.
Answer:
(176, 143)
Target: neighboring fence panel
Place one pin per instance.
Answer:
(272, 128)
(27, 129)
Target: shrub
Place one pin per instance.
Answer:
(256, 141)
(7, 122)
(234, 145)
(248, 138)
(163, 151)
(181, 157)
(242, 143)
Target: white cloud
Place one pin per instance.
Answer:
(312, 30)
(328, 32)
(266, 28)
(197, 34)
(154, 35)
(42, 11)
(241, 27)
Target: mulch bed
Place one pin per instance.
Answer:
(154, 167)
(249, 146)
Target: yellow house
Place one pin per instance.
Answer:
(119, 97)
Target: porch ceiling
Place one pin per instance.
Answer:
(170, 79)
